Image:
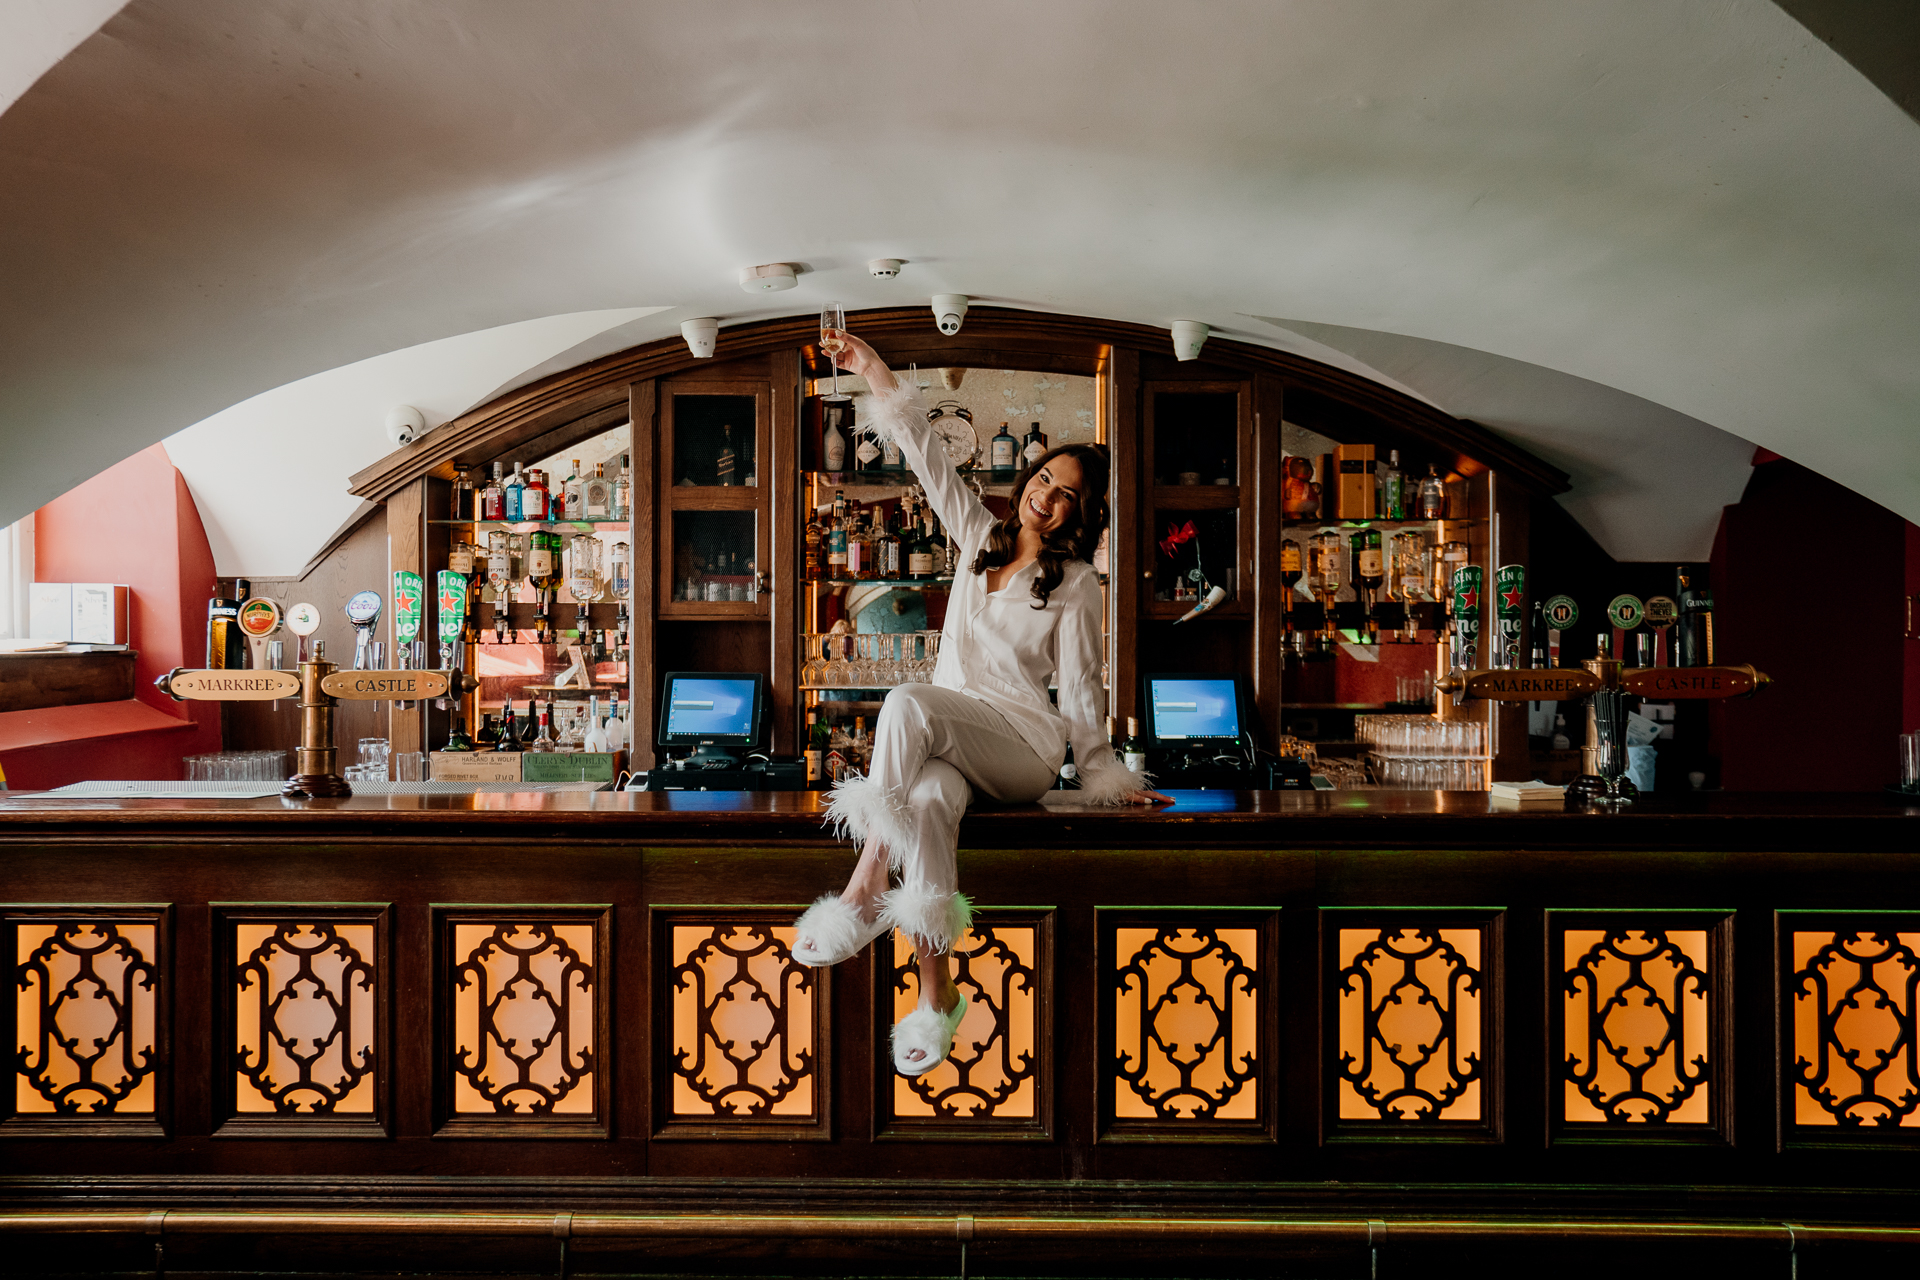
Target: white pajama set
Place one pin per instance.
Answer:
(985, 723)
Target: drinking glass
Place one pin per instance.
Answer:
(373, 752)
(410, 766)
(833, 320)
(1910, 761)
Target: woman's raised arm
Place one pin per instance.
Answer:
(895, 414)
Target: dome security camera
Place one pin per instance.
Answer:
(405, 424)
(949, 309)
(700, 335)
(884, 268)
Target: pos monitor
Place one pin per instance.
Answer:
(711, 711)
(1194, 709)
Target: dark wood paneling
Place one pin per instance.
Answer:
(1125, 589)
(645, 527)
(29, 681)
(782, 568)
(1262, 472)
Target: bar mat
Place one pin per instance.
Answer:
(171, 790)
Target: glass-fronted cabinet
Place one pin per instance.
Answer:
(714, 545)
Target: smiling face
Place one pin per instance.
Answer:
(1052, 495)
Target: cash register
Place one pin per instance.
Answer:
(1200, 738)
(718, 719)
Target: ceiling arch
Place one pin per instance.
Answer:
(1702, 208)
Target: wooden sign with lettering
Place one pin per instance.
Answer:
(364, 685)
(1537, 685)
(233, 686)
(1663, 684)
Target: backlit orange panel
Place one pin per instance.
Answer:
(1409, 1037)
(742, 1022)
(1186, 1023)
(993, 1067)
(84, 1025)
(304, 1005)
(1856, 1062)
(523, 1032)
(1635, 1047)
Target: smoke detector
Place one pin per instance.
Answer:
(884, 268)
(769, 278)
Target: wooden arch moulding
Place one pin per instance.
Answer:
(548, 414)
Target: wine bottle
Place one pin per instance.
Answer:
(510, 730)
(816, 751)
(919, 551)
(1133, 751)
(488, 739)
(724, 464)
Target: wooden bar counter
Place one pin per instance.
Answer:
(1272, 1021)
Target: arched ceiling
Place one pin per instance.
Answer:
(1633, 236)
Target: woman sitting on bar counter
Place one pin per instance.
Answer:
(1027, 607)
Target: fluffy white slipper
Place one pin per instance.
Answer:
(929, 1031)
(836, 931)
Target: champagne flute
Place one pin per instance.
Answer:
(833, 319)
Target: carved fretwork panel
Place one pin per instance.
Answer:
(998, 1079)
(304, 994)
(524, 1018)
(1853, 1025)
(89, 1019)
(1641, 1018)
(740, 1027)
(1188, 1035)
(1411, 1003)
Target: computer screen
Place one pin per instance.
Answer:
(1193, 708)
(710, 706)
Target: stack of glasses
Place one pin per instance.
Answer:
(1910, 762)
(379, 762)
(1420, 753)
(237, 766)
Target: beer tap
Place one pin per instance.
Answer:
(363, 611)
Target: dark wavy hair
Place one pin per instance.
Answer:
(1075, 539)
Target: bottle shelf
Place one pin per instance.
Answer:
(522, 526)
(878, 582)
(1195, 497)
(1385, 526)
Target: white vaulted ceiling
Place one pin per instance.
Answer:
(1632, 236)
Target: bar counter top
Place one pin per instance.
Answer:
(1864, 822)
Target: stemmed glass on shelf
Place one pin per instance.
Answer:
(833, 321)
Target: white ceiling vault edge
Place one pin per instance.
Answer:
(1632, 236)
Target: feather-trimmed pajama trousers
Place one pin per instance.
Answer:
(932, 749)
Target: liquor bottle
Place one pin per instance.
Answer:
(226, 646)
(816, 554)
(1696, 619)
(1002, 450)
(544, 741)
(1033, 446)
(1292, 565)
(516, 494)
(488, 739)
(1111, 740)
(599, 495)
(463, 496)
(543, 571)
(533, 498)
(866, 453)
(833, 448)
(816, 751)
(1133, 751)
(623, 491)
(890, 567)
(724, 464)
(493, 499)
(457, 739)
(1369, 571)
(837, 538)
(1433, 496)
(510, 730)
(862, 746)
(891, 459)
(1537, 658)
(1326, 573)
(574, 495)
(1392, 504)
(919, 551)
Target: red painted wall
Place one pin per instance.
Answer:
(135, 523)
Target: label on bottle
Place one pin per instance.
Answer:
(1033, 453)
(533, 504)
(1371, 565)
(1001, 457)
(867, 452)
(1135, 760)
(816, 763)
(834, 453)
(920, 563)
(539, 563)
(856, 556)
(890, 456)
(1290, 557)
(460, 560)
(598, 497)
